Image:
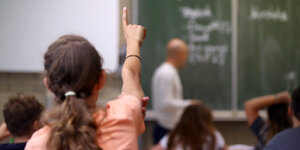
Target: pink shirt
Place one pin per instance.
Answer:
(119, 129)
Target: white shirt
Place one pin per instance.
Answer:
(220, 142)
(168, 102)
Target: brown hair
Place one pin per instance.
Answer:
(296, 103)
(20, 112)
(279, 119)
(193, 129)
(72, 64)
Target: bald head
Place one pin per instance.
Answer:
(177, 51)
(176, 46)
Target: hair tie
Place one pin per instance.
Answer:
(70, 93)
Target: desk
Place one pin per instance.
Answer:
(219, 115)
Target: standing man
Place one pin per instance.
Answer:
(167, 92)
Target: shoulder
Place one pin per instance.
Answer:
(284, 135)
(164, 141)
(43, 132)
(163, 70)
(220, 142)
(126, 109)
(218, 135)
(39, 139)
(120, 123)
(285, 139)
(123, 106)
(125, 102)
(164, 75)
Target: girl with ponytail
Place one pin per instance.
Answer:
(74, 74)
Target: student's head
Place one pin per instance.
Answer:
(193, 128)
(177, 51)
(73, 64)
(296, 103)
(279, 118)
(21, 114)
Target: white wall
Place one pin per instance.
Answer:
(28, 27)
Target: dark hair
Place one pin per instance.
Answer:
(279, 119)
(72, 64)
(296, 103)
(191, 132)
(20, 112)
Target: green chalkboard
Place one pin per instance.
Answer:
(269, 47)
(206, 26)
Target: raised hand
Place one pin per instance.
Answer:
(132, 32)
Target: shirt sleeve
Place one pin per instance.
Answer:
(274, 144)
(128, 107)
(164, 141)
(121, 125)
(38, 140)
(257, 126)
(220, 142)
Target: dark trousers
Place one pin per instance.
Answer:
(158, 133)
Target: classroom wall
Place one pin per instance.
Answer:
(12, 83)
(31, 83)
(34, 26)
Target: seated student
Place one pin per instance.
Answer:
(278, 118)
(74, 74)
(289, 139)
(21, 114)
(194, 131)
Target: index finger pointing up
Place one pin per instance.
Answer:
(124, 18)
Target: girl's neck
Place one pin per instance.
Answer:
(92, 102)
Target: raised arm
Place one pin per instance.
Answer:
(131, 71)
(252, 106)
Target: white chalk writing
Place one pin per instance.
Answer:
(274, 14)
(195, 13)
(291, 80)
(199, 36)
(214, 54)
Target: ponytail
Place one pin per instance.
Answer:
(73, 63)
(74, 127)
